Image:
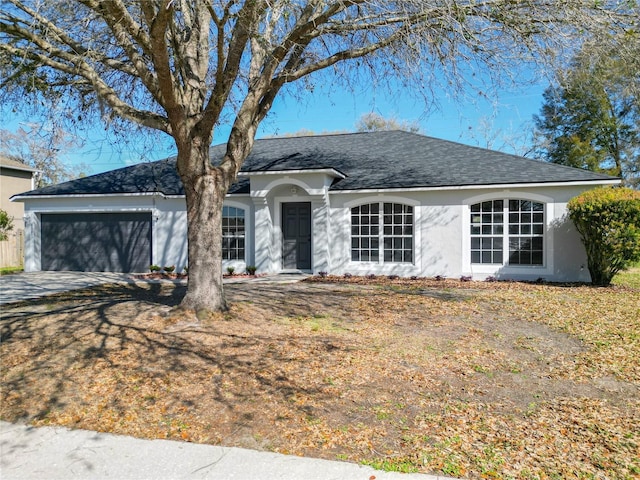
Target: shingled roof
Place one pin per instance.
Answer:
(373, 160)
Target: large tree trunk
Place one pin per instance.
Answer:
(205, 190)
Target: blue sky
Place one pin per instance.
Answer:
(463, 120)
(500, 122)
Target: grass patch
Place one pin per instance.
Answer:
(10, 270)
(392, 465)
(628, 278)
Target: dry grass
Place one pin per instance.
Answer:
(481, 380)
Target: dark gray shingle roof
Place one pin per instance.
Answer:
(376, 160)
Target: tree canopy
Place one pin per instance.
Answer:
(591, 118)
(373, 122)
(184, 66)
(41, 151)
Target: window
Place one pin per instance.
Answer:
(382, 231)
(232, 233)
(516, 224)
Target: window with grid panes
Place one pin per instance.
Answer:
(514, 227)
(382, 232)
(526, 232)
(232, 233)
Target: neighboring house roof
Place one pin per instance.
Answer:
(11, 163)
(373, 160)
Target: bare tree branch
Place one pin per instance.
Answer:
(183, 66)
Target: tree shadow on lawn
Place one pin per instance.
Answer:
(129, 346)
(357, 371)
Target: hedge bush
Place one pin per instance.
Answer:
(608, 219)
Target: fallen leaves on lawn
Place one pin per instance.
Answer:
(478, 380)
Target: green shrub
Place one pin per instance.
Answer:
(608, 220)
(6, 225)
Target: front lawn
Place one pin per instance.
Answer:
(468, 379)
(629, 278)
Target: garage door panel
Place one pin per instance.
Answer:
(105, 242)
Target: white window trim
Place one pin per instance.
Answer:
(241, 264)
(382, 267)
(244, 235)
(481, 271)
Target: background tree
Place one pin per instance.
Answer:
(608, 220)
(368, 122)
(515, 139)
(184, 66)
(591, 118)
(42, 150)
(374, 122)
(6, 225)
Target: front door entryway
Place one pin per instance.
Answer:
(296, 233)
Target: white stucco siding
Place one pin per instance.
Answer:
(441, 228)
(564, 254)
(304, 183)
(437, 234)
(570, 257)
(442, 235)
(170, 233)
(263, 236)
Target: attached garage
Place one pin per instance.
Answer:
(96, 242)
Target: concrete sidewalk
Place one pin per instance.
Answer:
(51, 453)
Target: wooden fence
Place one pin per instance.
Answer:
(12, 250)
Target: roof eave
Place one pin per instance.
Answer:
(481, 186)
(20, 169)
(21, 197)
(327, 171)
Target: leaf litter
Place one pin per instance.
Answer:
(468, 379)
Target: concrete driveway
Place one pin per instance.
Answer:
(24, 286)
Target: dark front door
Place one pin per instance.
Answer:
(296, 232)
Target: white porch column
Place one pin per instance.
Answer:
(263, 236)
(32, 255)
(320, 254)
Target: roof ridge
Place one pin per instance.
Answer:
(332, 134)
